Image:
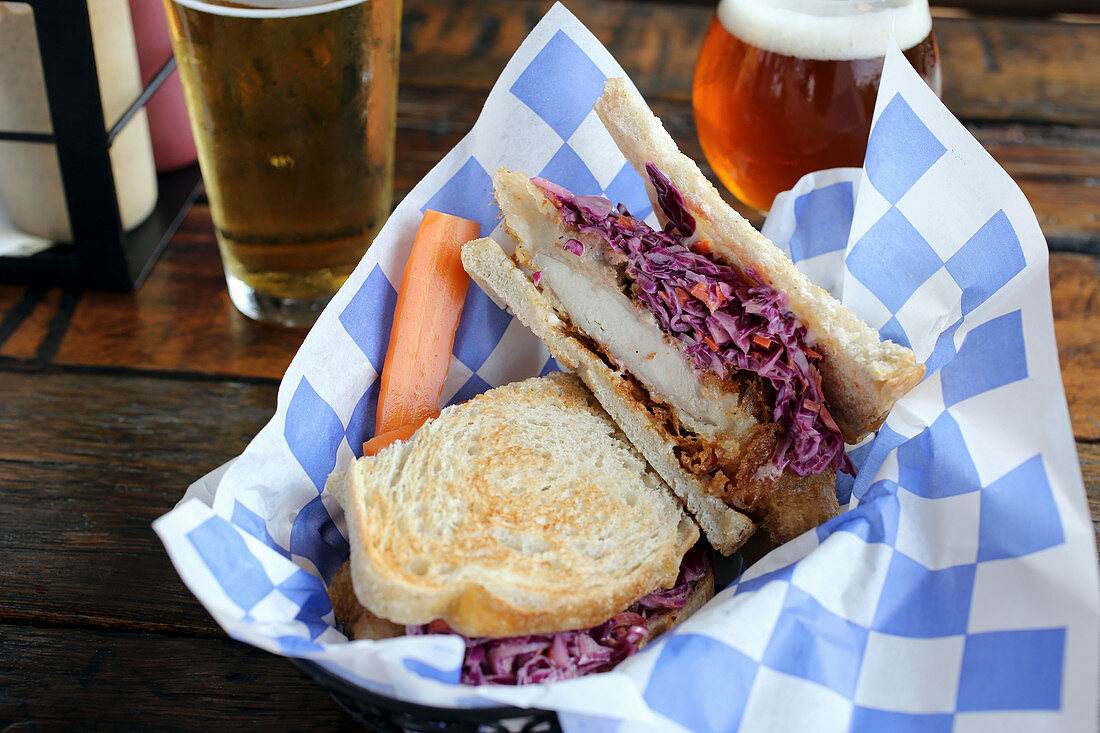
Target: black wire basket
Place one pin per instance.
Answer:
(383, 714)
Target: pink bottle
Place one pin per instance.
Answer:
(173, 145)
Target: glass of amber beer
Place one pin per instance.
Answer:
(292, 103)
(786, 87)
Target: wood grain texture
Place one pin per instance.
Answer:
(1017, 69)
(994, 68)
(89, 679)
(16, 305)
(9, 296)
(1067, 214)
(87, 462)
(181, 319)
(1089, 453)
(1075, 296)
(1051, 152)
(26, 341)
(1058, 169)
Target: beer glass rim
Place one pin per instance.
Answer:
(284, 12)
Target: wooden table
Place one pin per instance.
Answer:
(111, 404)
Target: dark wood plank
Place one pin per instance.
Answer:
(87, 462)
(80, 679)
(17, 304)
(1089, 453)
(994, 68)
(1067, 212)
(27, 341)
(1020, 7)
(1048, 152)
(1075, 296)
(181, 319)
(9, 296)
(1016, 69)
(82, 553)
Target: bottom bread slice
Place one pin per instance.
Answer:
(359, 623)
(494, 271)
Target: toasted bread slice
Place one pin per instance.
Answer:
(496, 274)
(863, 376)
(522, 511)
(359, 623)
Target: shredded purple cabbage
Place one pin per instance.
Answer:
(565, 655)
(693, 567)
(574, 246)
(723, 320)
(671, 201)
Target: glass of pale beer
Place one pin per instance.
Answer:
(786, 87)
(293, 105)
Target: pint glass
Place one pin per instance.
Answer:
(293, 113)
(786, 87)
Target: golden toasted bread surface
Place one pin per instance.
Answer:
(495, 272)
(359, 623)
(522, 511)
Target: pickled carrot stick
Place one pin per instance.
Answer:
(382, 440)
(429, 304)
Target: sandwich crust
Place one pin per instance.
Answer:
(862, 375)
(495, 272)
(489, 519)
(359, 623)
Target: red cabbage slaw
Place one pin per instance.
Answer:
(723, 320)
(565, 655)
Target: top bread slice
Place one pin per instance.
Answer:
(522, 511)
(862, 375)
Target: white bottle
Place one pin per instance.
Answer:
(30, 176)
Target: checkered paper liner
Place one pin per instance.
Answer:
(958, 591)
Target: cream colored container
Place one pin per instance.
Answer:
(30, 177)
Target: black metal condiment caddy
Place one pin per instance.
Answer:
(102, 255)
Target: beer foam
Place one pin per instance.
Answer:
(827, 30)
(270, 8)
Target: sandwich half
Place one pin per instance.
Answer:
(738, 379)
(524, 521)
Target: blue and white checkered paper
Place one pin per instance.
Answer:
(958, 592)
